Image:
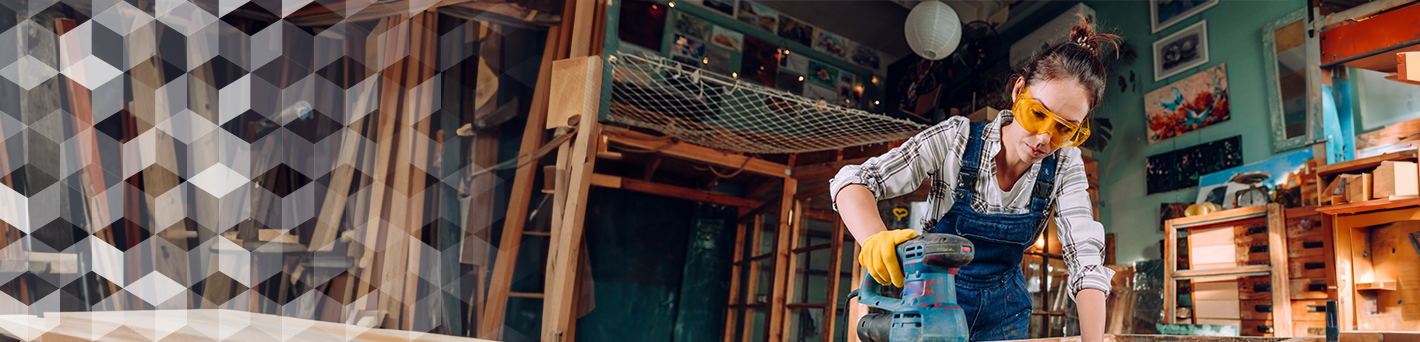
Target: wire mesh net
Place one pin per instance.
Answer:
(720, 112)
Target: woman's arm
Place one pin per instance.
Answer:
(1090, 305)
(857, 188)
(859, 211)
(1082, 241)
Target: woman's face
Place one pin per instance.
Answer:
(1066, 98)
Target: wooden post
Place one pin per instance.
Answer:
(835, 271)
(781, 261)
(791, 269)
(856, 310)
(558, 316)
(752, 292)
(1171, 266)
(735, 268)
(1281, 283)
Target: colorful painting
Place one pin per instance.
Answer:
(642, 23)
(796, 31)
(866, 57)
(691, 26)
(760, 62)
(832, 44)
(729, 39)
(723, 6)
(687, 47)
(1279, 166)
(1188, 105)
(795, 63)
(759, 16)
(1180, 169)
(823, 75)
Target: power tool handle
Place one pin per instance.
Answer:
(870, 293)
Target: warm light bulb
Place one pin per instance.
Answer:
(735, 74)
(875, 103)
(672, 4)
(706, 60)
(875, 80)
(1040, 242)
(801, 78)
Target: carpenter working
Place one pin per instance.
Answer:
(996, 184)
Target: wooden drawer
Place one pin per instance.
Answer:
(1306, 225)
(1308, 328)
(1309, 288)
(1308, 267)
(1254, 327)
(1249, 233)
(1256, 310)
(1254, 253)
(1309, 310)
(1309, 246)
(1255, 288)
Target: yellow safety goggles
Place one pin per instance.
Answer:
(1034, 118)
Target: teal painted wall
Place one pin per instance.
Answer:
(1234, 38)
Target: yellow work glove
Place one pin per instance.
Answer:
(879, 255)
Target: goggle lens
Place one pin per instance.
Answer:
(1034, 118)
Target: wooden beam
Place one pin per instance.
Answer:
(696, 153)
(791, 277)
(735, 268)
(835, 264)
(856, 310)
(490, 325)
(781, 261)
(1281, 283)
(637, 185)
(823, 170)
(1170, 266)
(1230, 271)
(752, 293)
(558, 315)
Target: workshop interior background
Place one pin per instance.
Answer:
(353, 161)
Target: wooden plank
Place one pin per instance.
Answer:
(557, 313)
(835, 264)
(1346, 317)
(1277, 237)
(609, 181)
(1363, 163)
(856, 310)
(1368, 206)
(781, 261)
(490, 324)
(752, 292)
(1233, 271)
(731, 313)
(696, 153)
(1221, 216)
(415, 183)
(1170, 267)
(791, 278)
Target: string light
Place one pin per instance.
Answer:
(706, 60)
(875, 79)
(875, 102)
(801, 78)
(735, 74)
(672, 4)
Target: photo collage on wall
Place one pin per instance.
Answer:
(1181, 169)
(700, 43)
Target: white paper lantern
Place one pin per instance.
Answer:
(933, 30)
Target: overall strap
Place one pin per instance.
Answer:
(1041, 196)
(970, 163)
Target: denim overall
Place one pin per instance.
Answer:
(991, 289)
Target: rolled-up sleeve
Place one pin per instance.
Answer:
(902, 169)
(1081, 237)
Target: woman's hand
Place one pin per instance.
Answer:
(879, 256)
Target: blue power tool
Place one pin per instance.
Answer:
(928, 310)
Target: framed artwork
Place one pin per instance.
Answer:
(823, 75)
(1165, 13)
(687, 47)
(1181, 51)
(1188, 105)
(691, 26)
(832, 44)
(723, 6)
(642, 23)
(1181, 169)
(796, 31)
(758, 16)
(866, 57)
(727, 38)
(760, 62)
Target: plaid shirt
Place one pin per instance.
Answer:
(936, 154)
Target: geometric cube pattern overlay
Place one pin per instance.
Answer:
(283, 157)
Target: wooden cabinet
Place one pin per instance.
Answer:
(1238, 267)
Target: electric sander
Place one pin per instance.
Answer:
(928, 310)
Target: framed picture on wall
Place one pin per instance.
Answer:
(1165, 13)
(1181, 51)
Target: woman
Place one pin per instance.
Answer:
(995, 184)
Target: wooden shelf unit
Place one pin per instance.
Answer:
(1275, 269)
(1371, 276)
